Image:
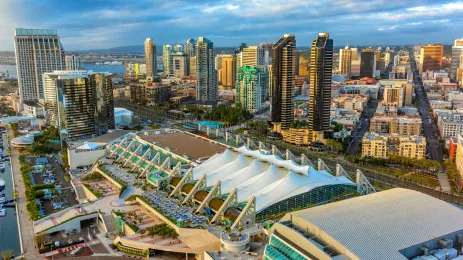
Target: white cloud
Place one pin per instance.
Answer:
(227, 7)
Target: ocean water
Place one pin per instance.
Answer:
(118, 69)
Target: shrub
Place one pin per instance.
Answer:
(94, 176)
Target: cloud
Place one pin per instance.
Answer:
(89, 24)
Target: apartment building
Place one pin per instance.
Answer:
(401, 125)
(384, 145)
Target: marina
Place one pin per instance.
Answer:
(9, 235)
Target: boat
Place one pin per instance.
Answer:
(2, 197)
(2, 184)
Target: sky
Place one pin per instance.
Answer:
(102, 24)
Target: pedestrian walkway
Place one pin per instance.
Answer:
(27, 230)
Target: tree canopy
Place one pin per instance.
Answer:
(229, 114)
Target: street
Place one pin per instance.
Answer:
(430, 130)
(362, 126)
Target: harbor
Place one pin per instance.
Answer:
(9, 235)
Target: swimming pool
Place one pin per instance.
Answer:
(211, 124)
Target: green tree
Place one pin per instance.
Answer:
(7, 254)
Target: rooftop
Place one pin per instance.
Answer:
(379, 225)
(183, 143)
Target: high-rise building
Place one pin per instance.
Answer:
(253, 56)
(150, 58)
(177, 48)
(206, 75)
(166, 51)
(367, 63)
(179, 62)
(354, 52)
(192, 66)
(355, 68)
(345, 61)
(387, 58)
(303, 70)
(457, 58)
(189, 50)
(249, 84)
(321, 66)
(74, 62)
(227, 71)
(37, 51)
(431, 58)
(189, 47)
(284, 71)
(378, 61)
(79, 102)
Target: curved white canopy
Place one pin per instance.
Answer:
(266, 177)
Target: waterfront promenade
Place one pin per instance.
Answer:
(25, 224)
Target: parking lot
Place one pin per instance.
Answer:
(48, 171)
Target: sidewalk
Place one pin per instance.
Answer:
(27, 230)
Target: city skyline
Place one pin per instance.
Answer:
(105, 24)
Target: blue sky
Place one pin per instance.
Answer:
(91, 24)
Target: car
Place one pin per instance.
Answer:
(70, 241)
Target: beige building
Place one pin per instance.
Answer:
(401, 125)
(459, 158)
(398, 95)
(226, 71)
(150, 58)
(352, 102)
(193, 66)
(345, 56)
(384, 145)
(431, 58)
(179, 65)
(296, 136)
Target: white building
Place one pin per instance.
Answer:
(74, 62)
(37, 51)
(454, 95)
(457, 58)
(450, 128)
(122, 116)
(83, 154)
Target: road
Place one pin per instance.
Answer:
(430, 129)
(362, 126)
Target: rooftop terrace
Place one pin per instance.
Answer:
(183, 144)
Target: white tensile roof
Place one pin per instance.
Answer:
(267, 177)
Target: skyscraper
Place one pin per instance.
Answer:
(354, 52)
(150, 58)
(227, 71)
(179, 64)
(321, 65)
(431, 58)
(74, 62)
(166, 51)
(249, 85)
(79, 102)
(192, 66)
(37, 51)
(177, 48)
(367, 63)
(253, 56)
(345, 61)
(189, 47)
(457, 58)
(284, 71)
(206, 75)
